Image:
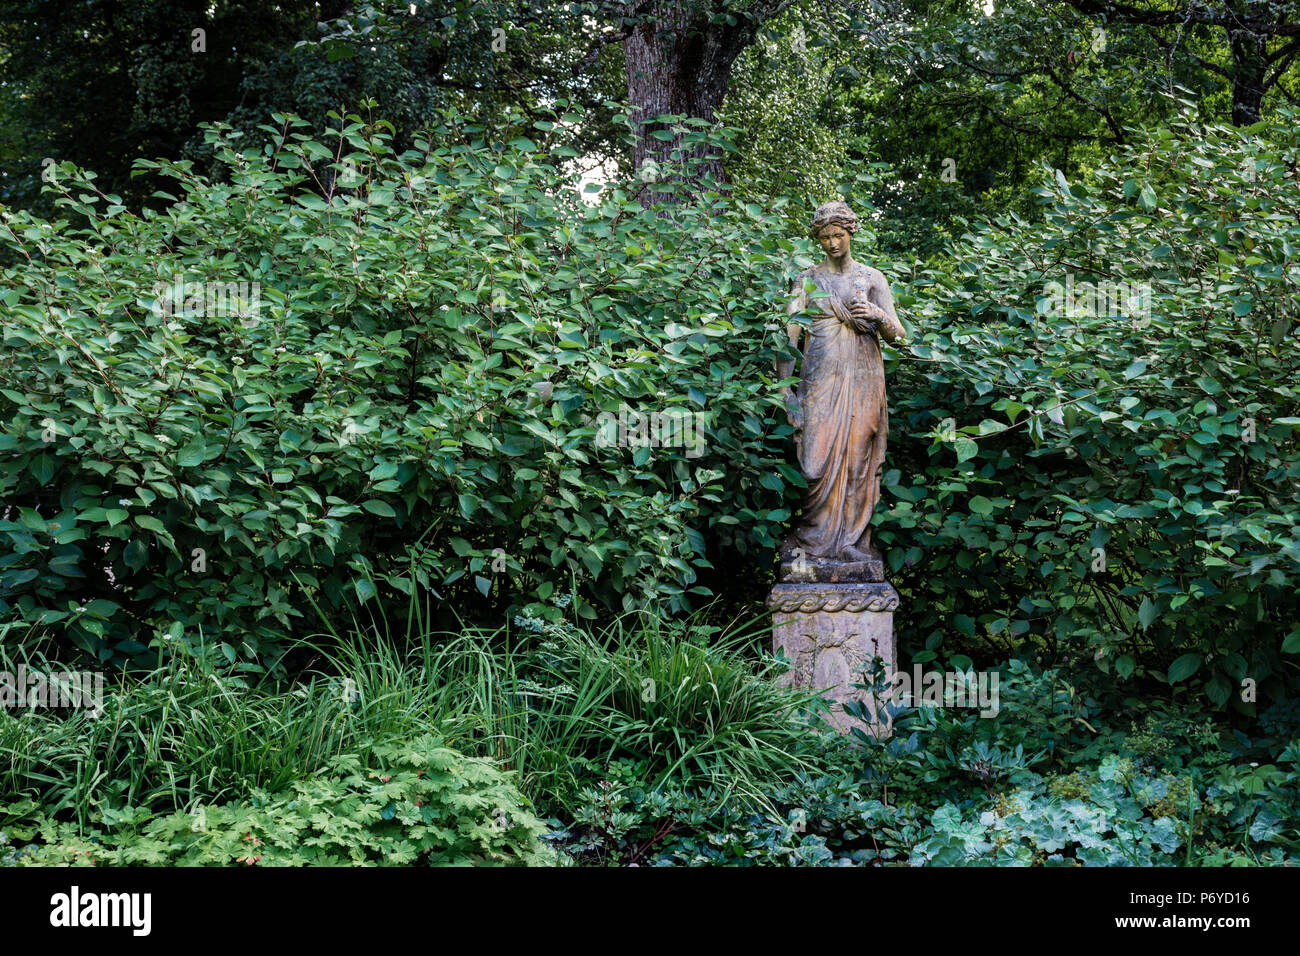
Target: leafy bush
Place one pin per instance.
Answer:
(1113, 480)
(425, 400)
(416, 802)
(1050, 781)
(620, 821)
(417, 408)
(1124, 815)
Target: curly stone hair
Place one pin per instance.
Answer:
(833, 213)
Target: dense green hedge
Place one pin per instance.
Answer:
(1115, 486)
(416, 407)
(417, 403)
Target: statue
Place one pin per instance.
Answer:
(839, 410)
(832, 609)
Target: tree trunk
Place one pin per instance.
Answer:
(1248, 70)
(679, 62)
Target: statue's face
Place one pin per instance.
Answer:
(834, 241)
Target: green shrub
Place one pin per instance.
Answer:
(418, 802)
(415, 410)
(1124, 815)
(1106, 483)
(620, 821)
(416, 406)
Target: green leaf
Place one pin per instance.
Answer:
(1184, 667)
(150, 523)
(1147, 613)
(191, 454)
(42, 467)
(101, 608)
(1124, 665)
(135, 554)
(1218, 689)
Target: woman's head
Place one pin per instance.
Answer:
(833, 226)
(833, 213)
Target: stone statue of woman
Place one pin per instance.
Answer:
(839, 409)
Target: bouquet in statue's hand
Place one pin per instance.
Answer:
(865, 315)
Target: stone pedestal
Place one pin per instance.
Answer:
(831, 629)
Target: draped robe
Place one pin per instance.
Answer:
(845, 422)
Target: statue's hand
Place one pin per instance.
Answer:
(793, 410)
(861, 320)
(868, 313)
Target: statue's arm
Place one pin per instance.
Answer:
(785, 367)
(891, 330)
(797, 303)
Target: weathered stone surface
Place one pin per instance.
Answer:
(831, 632)
(832, 572)
(833, 608)
(839, 409)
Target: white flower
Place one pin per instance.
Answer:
(237, 360)
(162, 438)
(123, 501)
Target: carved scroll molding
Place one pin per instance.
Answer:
(811, 598)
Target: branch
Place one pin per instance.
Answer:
(1116, 130)
(1212, 67)
(630, 15)
(1194, 12)
(1285, 54)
